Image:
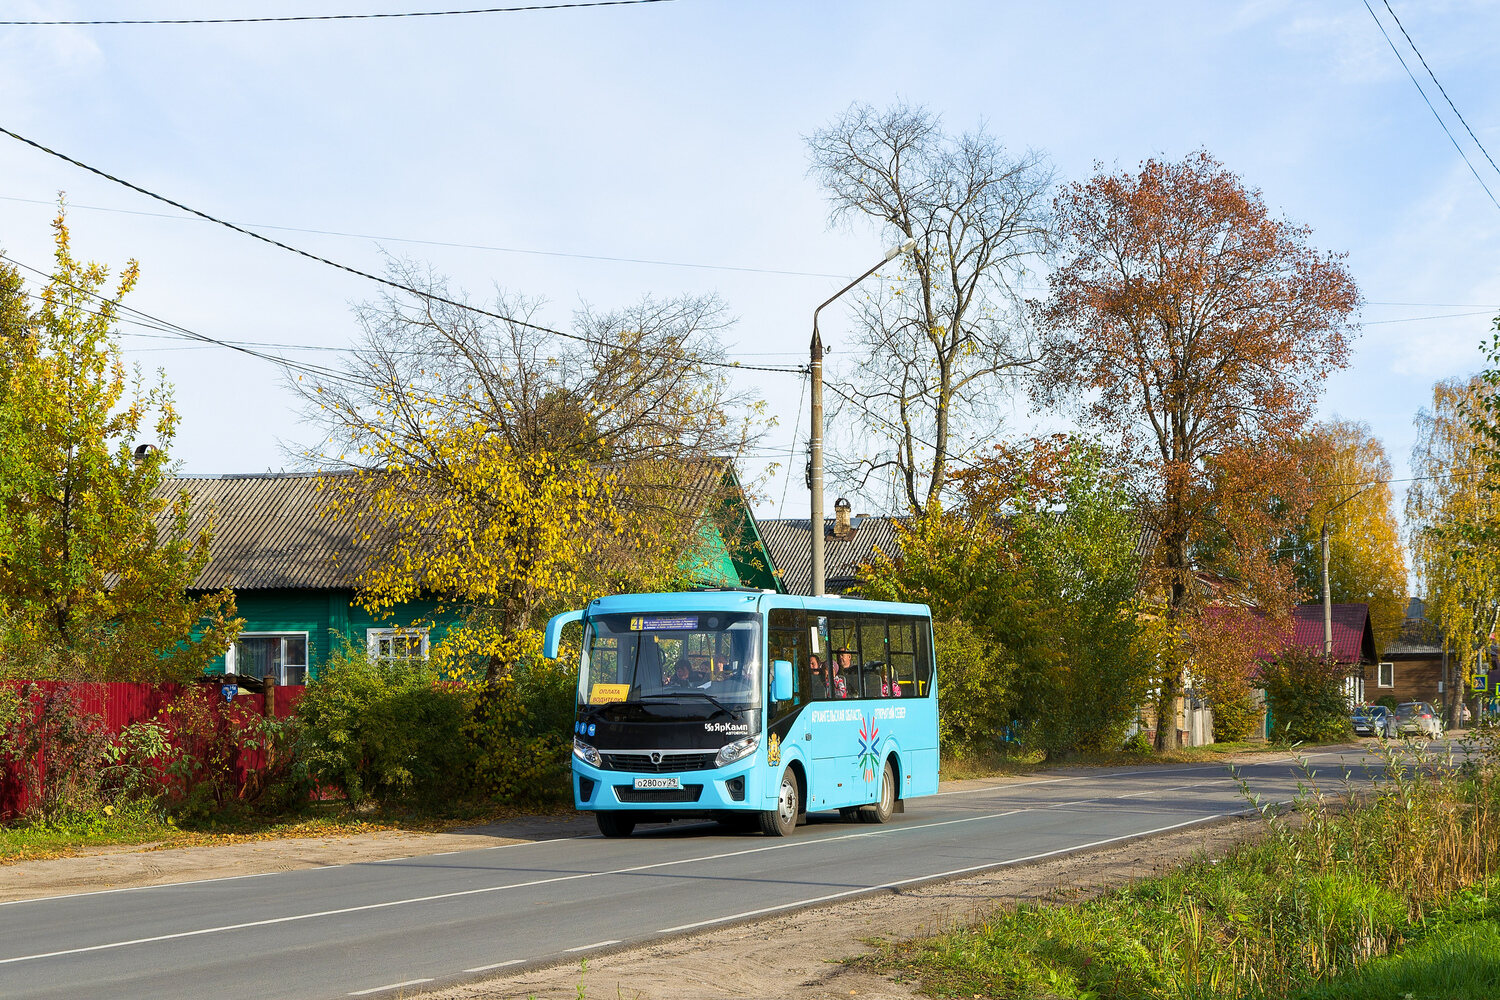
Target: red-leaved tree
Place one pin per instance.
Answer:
(1195, 330)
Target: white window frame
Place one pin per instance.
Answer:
(231, 659)
(374, 635)
(1380, 675)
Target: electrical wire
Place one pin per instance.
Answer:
(331, 17)
(1430, 73)
(1426, 101)
(130, 314)
(454, 245)
(791, 457)
(387, 282)
(1423, 319)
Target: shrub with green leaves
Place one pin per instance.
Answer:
(388, 731)
(1306, 696)
(520, 728)
(1235, 719)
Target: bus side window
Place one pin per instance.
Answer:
(903, 657)
(924, 657)
(872, 643)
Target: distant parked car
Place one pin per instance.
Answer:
(1373, 720)
(1418, 718)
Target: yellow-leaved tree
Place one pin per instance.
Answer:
(502, 471)
(95, 559)
(1350, 475)
(1453, 517)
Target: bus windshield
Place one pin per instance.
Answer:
(710, 656)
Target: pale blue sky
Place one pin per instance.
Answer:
(672, 132)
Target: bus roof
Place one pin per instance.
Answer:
(739, 600)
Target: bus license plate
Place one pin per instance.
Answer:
(645, 783)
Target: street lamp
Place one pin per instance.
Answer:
(815, 439)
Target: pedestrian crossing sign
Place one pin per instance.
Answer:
(1481, 682)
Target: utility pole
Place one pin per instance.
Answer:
(815, 436)
(1327, 592)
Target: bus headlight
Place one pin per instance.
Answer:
(737, 750)
(586, 753)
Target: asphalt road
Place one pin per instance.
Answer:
(419, 923)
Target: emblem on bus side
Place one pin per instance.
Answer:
(773, 750)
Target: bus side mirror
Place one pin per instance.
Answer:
(781, 680)
(553, 638)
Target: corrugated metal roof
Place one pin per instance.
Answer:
(269, 533)
(790, 545)
(1419, 637)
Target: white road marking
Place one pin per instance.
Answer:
(496, 965)
(940, 875)
(489, 889)
(441, 854)
(882, 832)
(391, 986)
(590, 947)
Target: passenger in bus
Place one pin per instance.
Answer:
(682, 675)
(843, 664)
(819, 681)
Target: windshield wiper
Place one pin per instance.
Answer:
(677, 694)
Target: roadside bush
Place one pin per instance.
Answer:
(1306, 696)
(973, 672)
(390, 732)
(1389, 701)
(1235, 719)
(520, 729)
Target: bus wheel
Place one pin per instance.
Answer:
(781, 821)
(885, 806)
(613, 824)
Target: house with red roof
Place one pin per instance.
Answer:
(1353, 641)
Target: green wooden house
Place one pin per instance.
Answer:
(290, 568)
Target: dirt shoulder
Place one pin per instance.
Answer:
(135, 866)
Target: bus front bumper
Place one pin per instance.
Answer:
(735, 787)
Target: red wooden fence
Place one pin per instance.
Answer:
(116, 705)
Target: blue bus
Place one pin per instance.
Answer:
(751, 706)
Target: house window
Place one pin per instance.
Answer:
(397, 645)
(265, 654)
(1387, 678)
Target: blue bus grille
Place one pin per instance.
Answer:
(687, 793)
(642, 763)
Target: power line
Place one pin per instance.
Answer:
(387, 282)
(791, 457)
(1430, 73)
(130, 314)
(606, 258)
(1434, 110)
(1423, 319)
(332, 17)
(455, 245)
